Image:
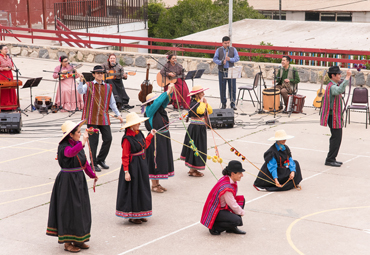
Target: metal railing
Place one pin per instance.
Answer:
(97, 13)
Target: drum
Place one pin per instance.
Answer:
(43, 103)
(298, 103)
(268, 99)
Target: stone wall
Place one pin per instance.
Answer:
(307, 74)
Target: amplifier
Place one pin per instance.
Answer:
(11, 121)
(222, 118)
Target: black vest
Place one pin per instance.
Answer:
(221, 57)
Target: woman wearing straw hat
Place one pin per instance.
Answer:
(134, 200)
(279, 172)
(197, 131)
(69, 211)
(159, 154)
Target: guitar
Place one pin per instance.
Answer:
(113, 75)
(320, 93)
(164, 81)
(70, 72)
(146, 87)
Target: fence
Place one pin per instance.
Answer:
(96, 13)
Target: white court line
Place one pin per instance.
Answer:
(23, 143)
(196, 223)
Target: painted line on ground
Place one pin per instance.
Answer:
(26, 156)
(23, 143)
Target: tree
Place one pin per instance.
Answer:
(155, 10)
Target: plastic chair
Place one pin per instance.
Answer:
(360, 101)
(249, 88)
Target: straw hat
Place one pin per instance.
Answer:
(196, 89)
(149, 98)
(131, 119)
(280, 135)
(68, 126)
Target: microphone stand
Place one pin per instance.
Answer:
(17, 77)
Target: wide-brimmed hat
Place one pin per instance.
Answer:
(99, 69)
(132, 119)
(150, 97)
(280, 135)
(334, 70)
(68, 126)
(234, 166)
(196, 89)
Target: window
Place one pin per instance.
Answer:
(328, 16)
(312, 16)
(276, 15)
(344, 17)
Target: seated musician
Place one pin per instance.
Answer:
(8, 96)
(173, 70)
(279, 172)
(288, 80)
(119, 91)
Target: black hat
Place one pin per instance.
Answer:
(334, 70)
(99, 69)
(234, 166)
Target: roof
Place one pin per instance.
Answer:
(312, 5)
(286, 33)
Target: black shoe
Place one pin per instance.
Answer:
(103, 165)
(236, 231)
(338, 162)
(214, 232)
(223, 106)
(128, 107)
(97, 169)
(334, 164)
(233, 107)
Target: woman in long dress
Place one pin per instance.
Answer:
(134, 200)
(173, 70)
(68, 86)
(8, 96)
(69, 211)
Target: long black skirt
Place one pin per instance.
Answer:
(134, 199)
(119, 91)
(283, 176)
(69, 211)
(160, 165)
(199, 135)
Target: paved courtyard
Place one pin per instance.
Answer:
(328, 216)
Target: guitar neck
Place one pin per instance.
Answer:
(147, 73)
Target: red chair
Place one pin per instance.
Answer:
(360, 101)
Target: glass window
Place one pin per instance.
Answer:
(276, 15)
(328, 16)
(312, 16)
(344, 17)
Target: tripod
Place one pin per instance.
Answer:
(17, 78)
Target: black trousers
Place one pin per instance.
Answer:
(334, 142)
(94, 141)
(227, 220)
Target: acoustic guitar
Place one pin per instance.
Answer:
(113, 75)
(164, 81)
(320, 93)
(70, 72)
(146, 87)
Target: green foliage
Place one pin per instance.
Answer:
(155, 10)
(260, 51)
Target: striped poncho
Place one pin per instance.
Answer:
(337, 109)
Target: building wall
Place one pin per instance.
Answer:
(361, 17)
(295, 16)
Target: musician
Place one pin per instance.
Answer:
(223, 209)
(173, 70)
(68, 76)
(287, 80)
(8, 96)
(331, 113)
(225, 57)
(119, 91)
(98, 97)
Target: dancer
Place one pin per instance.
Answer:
(8, 96)
(159, 154)
(197, 131)
(69, 211)
(174, 70)
(134, 200)
(67, 86)
(279, 166)
(223, 209)
(98, 97)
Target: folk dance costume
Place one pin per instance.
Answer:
(98, 98)
(332, 114)
(223, 208)
(69, 211)
(134, 199)
(68, 89)
(159, 154)
(180, 84)
(8, 96)
(198, 133)
(278, 166)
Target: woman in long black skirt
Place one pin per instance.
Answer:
(69, 212)
(279, 166)
(134, 200)
(159, 153)
(197, 131)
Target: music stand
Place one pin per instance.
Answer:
(88, 76)
(195, 74)
(30, 84)
(233, 73)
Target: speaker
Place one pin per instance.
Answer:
(222, 118)
(11, 122)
